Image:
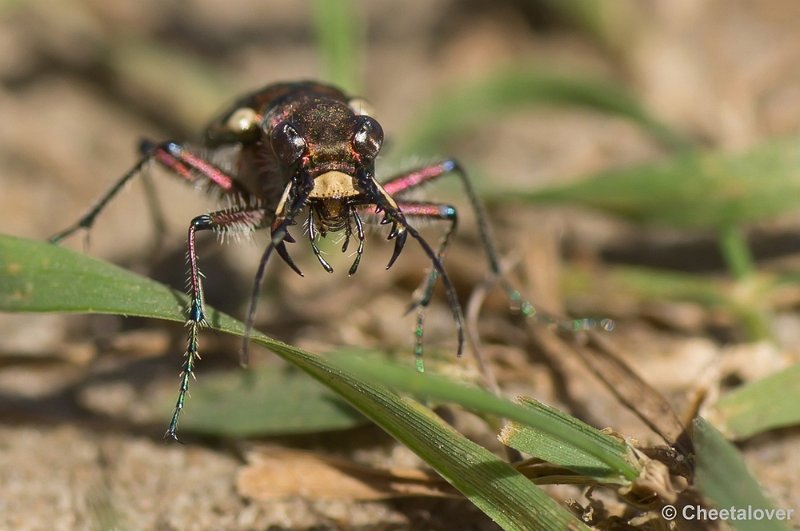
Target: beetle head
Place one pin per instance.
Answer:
(329, 148)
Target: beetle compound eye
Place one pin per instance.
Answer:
(287, 143)
(368, 137)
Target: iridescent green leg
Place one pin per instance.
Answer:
(235, 219)
(434, 211)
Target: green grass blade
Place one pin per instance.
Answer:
(339, 36)
(610, 23)
(579, 444)
(641, 283)
(39, 277)
(541, 444)
(711, 190)
(471, 104)
(722, 476)
(491, 484)
(231, 403)
(762, 405)
(139, 65)
(736, 252)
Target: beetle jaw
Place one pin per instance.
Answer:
(334, 185)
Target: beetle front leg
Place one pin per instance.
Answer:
(290, 205)
(415, 178)
(431, 211)
(235, 219)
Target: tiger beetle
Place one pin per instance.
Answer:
(307, 148)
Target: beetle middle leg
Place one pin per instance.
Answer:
(432, 211)
(402, 183)
(405, 182)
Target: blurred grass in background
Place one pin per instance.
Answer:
(695, 187)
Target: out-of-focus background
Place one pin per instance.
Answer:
(547, 103)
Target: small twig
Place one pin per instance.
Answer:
(474, 305)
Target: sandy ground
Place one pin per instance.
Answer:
(83, 81)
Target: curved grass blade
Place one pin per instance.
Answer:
(231, 403)
(578, 442)
(710, 190)
(541, 444)
(339, 35)
(470, 104)
(759, 406)
(610, 23)
(722, 476)
(718, 294)
(39, 277)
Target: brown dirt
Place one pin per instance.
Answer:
(83, 81)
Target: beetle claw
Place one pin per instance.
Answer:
(394, 232)
(399, 242)
(284, 253)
